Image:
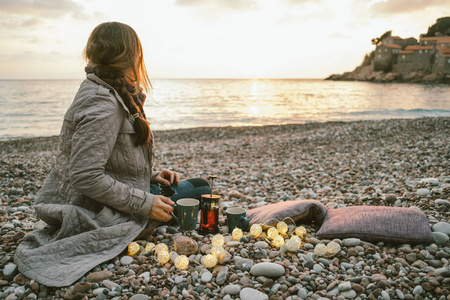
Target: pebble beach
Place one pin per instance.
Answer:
(398, 163)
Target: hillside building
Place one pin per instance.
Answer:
(429, 55)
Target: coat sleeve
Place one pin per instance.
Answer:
(98, 121)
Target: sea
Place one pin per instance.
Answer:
(34, 108)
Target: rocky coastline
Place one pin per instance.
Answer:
(398, 163)
(366, 73)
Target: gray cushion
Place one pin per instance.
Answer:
(300, 211)
(377, 224)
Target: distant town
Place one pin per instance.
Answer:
(405, 60)
(429, 55)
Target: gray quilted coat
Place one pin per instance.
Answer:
(96, 200)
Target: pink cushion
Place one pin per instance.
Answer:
(377, 224)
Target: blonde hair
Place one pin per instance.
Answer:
(117, 46)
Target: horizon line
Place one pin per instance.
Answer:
(176, 78)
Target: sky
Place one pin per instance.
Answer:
(44, 39)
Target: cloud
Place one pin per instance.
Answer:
(405, 6)
(235, 5)
(48, 9)
(31, 22)
(302, 1)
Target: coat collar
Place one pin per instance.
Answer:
(94, 78)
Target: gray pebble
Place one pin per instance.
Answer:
(252, 294)
(126, 260)
(442, 227)
(232, 289)
(423, 192)
(350, 294)
(267, 269)
(302, 293)
(262, 245)
(441, 238)
(206, 276)
(9, 271)
(418, 290)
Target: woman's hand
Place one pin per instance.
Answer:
(161, 208)
(167, 177)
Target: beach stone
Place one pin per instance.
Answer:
(252, 294)
(222, 276)
(206, 276)
(443, 227)
(350, 294)
(441, 238)
(21, 279)
(399, 294)
(261, 244)
(140, 297)
(390, 198)
(317, 268)
(9, 271)
(442, 202)
(245, 264)
(352, 242)
(302, 293)
(184, 245)
(385, 295)
(423, 192)
(232, 289)
(99, 291)
(378, 277)
(99, 276)
(109, 284)
(126, 260)
(430, 181)
(345, 286)
(81, 287)
(267, 269)
(445, 272)
(418, 290)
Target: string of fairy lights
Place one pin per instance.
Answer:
(277, 236)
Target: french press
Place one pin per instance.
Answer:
(209, 211)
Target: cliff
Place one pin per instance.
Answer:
(365, 72)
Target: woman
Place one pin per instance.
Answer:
(102, 193)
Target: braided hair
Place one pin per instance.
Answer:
(115, 55)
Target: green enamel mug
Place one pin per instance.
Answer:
(236, 217)
(187, 213)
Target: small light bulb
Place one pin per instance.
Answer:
(133, 248)
(282, 227)
(272, 232)
(217, 251)
(149, 247)
(163, 256)
(181, 262)
(237, 234)
(300, 231)
(217, 240)
(293, 244)
(320, 250)
(256, 230)
(278, 241)
(332, 248)
(209, 261)
(161, 247)
(297, 238)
